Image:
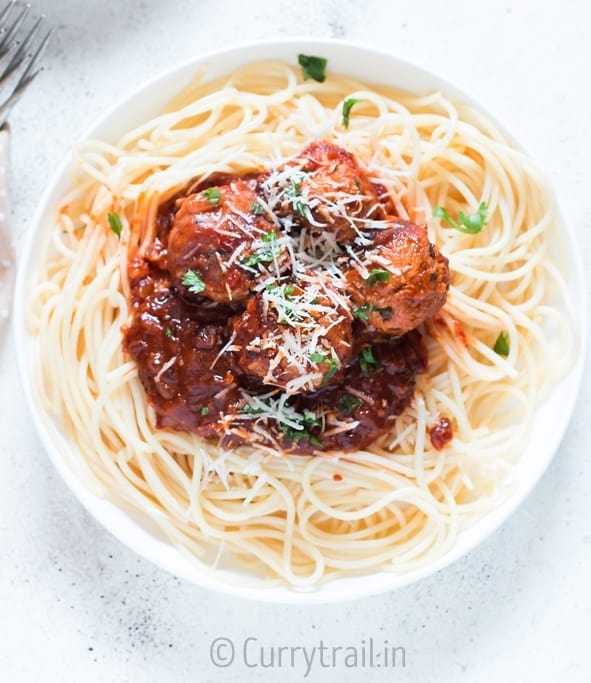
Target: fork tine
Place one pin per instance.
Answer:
(35, 58)
(5, 12)
(14, 98)
(11, 32)
(19, 59)
(28, 40)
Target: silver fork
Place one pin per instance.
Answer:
(23, 39)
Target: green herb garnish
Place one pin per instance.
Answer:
(115, 223)
(192, 280)
(250, 410)
(331, 372)
(471, 224)
(347, 106)
(168, 332)
(331, 362)
(298, 434)
(257, 209)
(213, 195)
(294, 193)
(264, 255)
(367, 360)
(205, 410)
(348, 403)
(312, 67)
(377, 275)
(269, 236)
(362, 312)
(502, 344)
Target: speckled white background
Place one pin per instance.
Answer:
(77, 606)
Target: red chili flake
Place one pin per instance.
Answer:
(337, 477)
(441, 433)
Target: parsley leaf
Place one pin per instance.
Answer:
(205, 410)
(115, 223)
(317, 357)
(310, 420)
(348, 403)
(264, 255)
(192, 280)
(367, 360)
(294, 194)
(502, 344)
(332, 369)
(347, 106)
(298, 434)
(312, 67)
(269, 236)
(470, 224)
(362, 312)
(250, 410)
(168, 332)
(257, 209)
(213, 195)
(331, 362)
(377, 275)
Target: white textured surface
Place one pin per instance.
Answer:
(77, 606)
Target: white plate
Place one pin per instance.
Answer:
(550, 421)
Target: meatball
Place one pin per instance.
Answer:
(218, 242)
(401, 281)
(325, 190)
(295, 336)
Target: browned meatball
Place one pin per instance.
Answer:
(295, 336)
(219, 241)
(325, 190)
(402, 279)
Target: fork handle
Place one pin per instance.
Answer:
(7, 259)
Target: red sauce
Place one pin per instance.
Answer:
(196, 385)
(441, 433)
(460, 333)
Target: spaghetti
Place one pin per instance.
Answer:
(398, 504)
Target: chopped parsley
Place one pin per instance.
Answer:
(362, 312)
(213, 195)
(115, 223)
(264, 255)
(205, 410)
(367, 360)
(470, 224)
(377, 275)
(250, 410)
(348, 403)
(331, 362)
(502, 344)
(347, 106)
(298, 434)
(332, 369)
(294, 194)
(313, 67)
(269, 236)
(193, 282)
(168, 332)
(257, 209)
